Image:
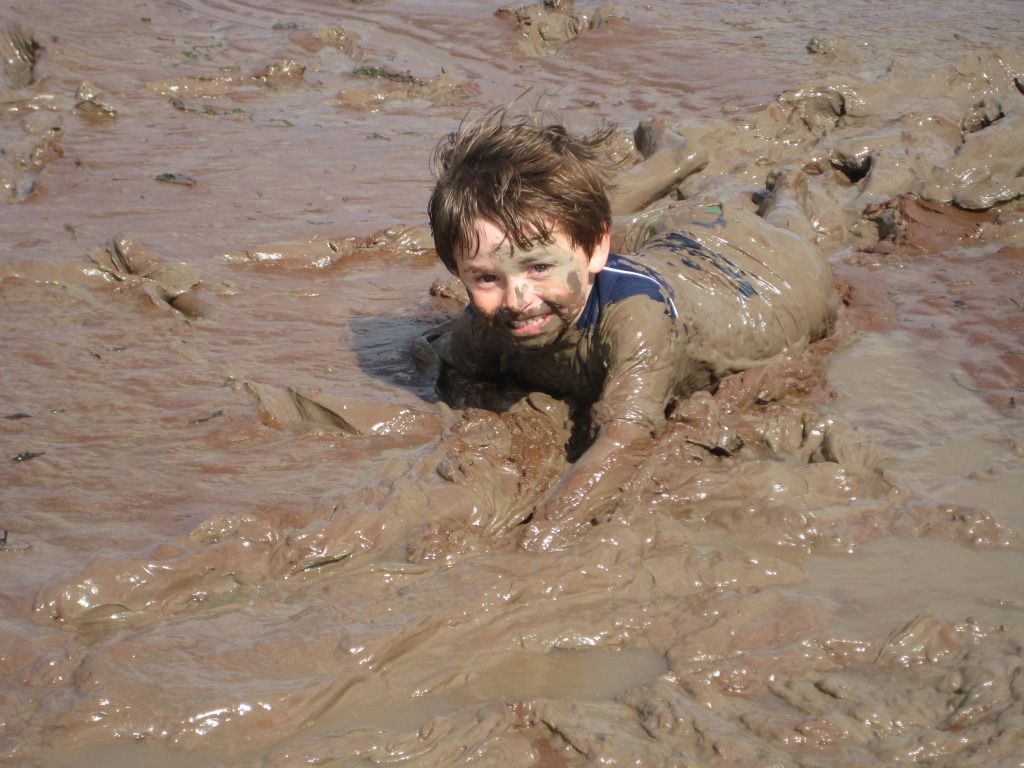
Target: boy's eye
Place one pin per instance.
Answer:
(485, 279)
(540, 269)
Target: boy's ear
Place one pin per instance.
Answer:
(600, 255)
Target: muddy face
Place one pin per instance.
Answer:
(531, 295)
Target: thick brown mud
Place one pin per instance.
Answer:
(240, 531)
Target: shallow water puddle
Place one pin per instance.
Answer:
(888, 582)
(1002, 494)
(942, 441)
(133, 754)
(593, 674)
(581, 675)
(950, 449)
(589, 675)
(904, 388)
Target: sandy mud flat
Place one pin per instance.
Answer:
(239, 530)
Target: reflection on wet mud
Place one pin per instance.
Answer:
(238, 529)
(19, 49)
(125, 260)
(544, 28)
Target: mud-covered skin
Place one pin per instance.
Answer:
(746, 290)
(532, 296)
(736, 291)
(629, 372)
(668, 160)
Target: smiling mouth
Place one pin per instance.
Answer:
(528, 325)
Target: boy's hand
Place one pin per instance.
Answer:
(589, 489)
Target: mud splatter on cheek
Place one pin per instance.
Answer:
(564, 293)
(575, 287)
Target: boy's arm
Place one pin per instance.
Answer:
(589, 489)
(637, 339)
(470, 359)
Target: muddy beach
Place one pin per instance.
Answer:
(241, 531)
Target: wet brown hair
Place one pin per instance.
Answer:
(523, 175)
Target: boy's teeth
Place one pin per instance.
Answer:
(529, 322)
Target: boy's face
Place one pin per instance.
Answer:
(531, 295)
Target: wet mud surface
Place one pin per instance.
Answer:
(240, 530)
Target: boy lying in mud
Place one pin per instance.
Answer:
(522, 214)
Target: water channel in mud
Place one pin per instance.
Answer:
(230, 535)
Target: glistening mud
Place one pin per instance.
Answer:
(240, 530)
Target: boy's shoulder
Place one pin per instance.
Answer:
(622, 278)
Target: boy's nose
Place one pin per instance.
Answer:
(516, 295)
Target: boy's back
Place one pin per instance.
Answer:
(710, 292)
